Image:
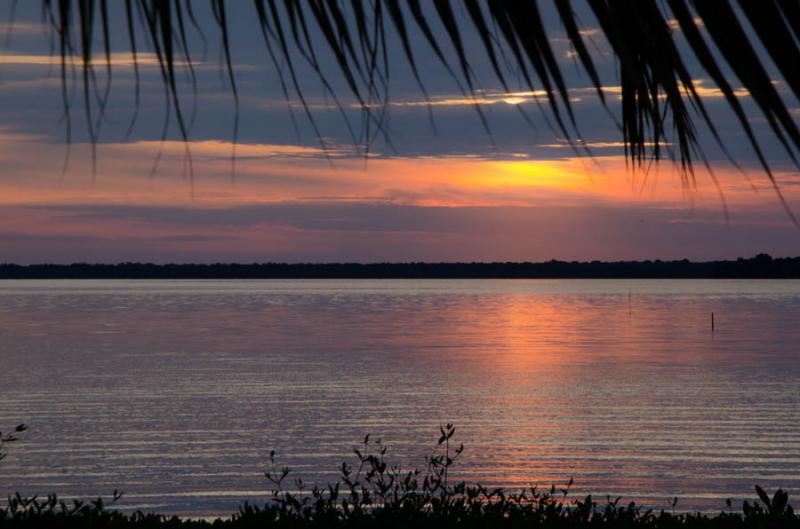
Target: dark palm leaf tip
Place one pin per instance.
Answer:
(659, 100)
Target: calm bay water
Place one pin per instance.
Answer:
(176, 391)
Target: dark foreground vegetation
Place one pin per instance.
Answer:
(374, 494)
(761, 266)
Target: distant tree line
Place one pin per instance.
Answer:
(761, 266)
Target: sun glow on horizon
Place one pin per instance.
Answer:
(285, 173)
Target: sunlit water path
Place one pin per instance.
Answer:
(176, 391)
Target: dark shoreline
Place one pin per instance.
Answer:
(761, 266)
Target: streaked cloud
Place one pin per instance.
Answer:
(520, 97)
(598, 145)
(226, 149)
(21, 28)
(117, 60)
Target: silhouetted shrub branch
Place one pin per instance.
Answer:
(10, 438)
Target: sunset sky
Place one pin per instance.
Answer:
(449, 192)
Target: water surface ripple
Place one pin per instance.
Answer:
(176, 391)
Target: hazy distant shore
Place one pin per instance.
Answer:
(761, 266)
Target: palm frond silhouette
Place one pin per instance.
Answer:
(660, 104)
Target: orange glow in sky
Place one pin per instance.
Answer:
(288, 173)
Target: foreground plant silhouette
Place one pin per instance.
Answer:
(374, 493)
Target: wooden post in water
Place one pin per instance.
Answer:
(712, 322)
